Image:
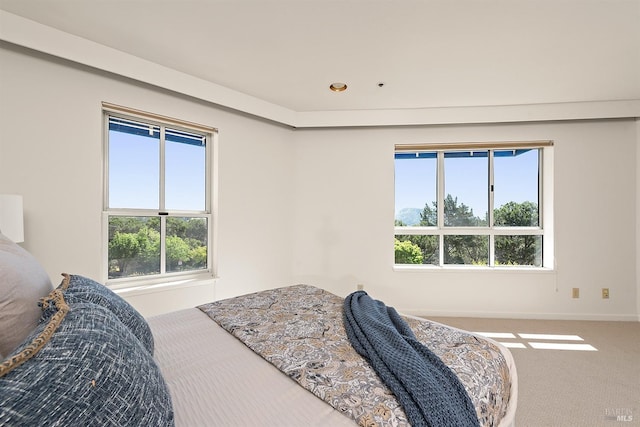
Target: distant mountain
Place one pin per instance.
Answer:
(409, 216)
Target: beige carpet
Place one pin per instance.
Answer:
(572, 388)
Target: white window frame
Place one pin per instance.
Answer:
(211, 200)
(545, 208)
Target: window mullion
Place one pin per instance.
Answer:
(492, 250)
(161, 190)
(440, 205)
(163, 244)
(491, 189)
(440, 189)
(162, 207)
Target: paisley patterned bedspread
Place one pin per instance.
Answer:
(299, 329)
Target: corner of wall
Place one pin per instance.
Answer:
(638, 218)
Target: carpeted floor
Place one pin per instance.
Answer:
(577, 387)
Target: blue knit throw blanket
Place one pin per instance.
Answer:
(429, 392)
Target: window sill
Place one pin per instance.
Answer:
(126, 289)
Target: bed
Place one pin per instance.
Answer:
(278, 357)
(247, 389)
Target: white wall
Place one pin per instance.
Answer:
(51, 153)
(315, 206)
(345, 211)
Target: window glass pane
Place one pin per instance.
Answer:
(186, 244)
(134, 165)
(516, 188)
(518, 250)
(415, 186)
(469, 250)
(412, 249)
(466, 184)
(134, 246)
(185, 171)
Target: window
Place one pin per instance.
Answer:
(474, 204)
(158, 196)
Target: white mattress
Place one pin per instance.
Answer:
(214, 379)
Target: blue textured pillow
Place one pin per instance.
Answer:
(82, 367)
(81, 289)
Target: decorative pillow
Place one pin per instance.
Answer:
(81, 289)
(23, 282)
(82, 367)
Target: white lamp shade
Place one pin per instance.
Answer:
(11, 220)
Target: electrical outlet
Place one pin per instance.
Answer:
(605, 293)
(575, 293)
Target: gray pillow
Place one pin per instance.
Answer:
(82, 367)
(23, 282)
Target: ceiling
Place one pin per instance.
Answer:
(392, 54)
